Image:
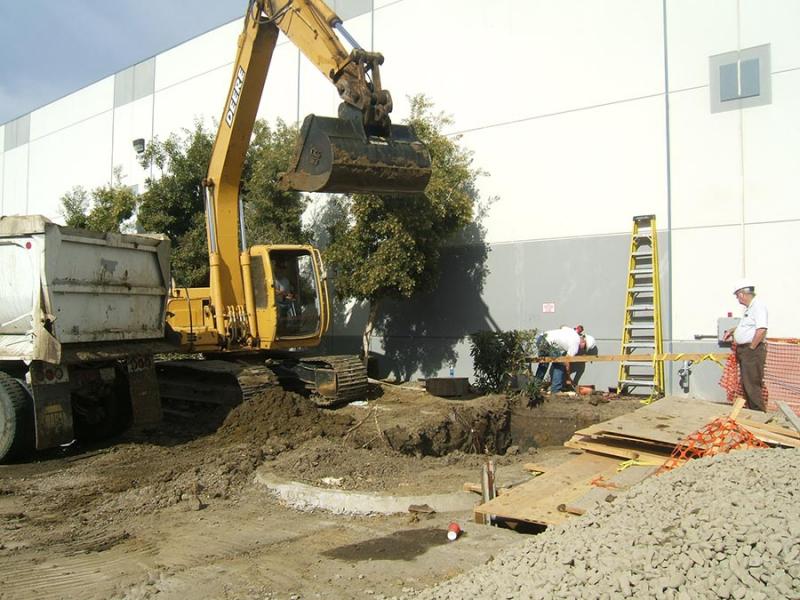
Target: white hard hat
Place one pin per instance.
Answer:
(590, 341)
(744, 283)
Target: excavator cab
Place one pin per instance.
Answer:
(290, 295)
(342, 156)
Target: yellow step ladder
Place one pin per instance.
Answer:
(641, 328)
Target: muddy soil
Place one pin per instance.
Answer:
(173, 511)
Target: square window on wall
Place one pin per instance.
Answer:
(740, 79)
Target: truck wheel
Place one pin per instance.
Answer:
(16, 419)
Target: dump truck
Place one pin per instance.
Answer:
(81, 317)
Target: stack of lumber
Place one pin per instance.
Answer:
(655, 430)
(616, 454)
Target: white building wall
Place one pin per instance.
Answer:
(597, 169)
(735, 175)
(79, 106)
(77, 153)
(563, 104)
(132, 121)
(2, 164)
(501, 62)
(15, 181)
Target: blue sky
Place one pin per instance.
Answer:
(49, 48)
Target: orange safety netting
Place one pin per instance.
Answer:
(718, 437)
(781, 375)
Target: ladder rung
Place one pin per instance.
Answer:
(639, 345)
(640, 307)
(637, 382)
(640, 326)
(637, 363)
(641, 254)
(641, 288)
(642, 271)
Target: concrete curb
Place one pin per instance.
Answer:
(307, 497)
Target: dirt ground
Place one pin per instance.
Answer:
(173, 512)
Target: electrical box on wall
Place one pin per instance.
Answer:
(723, 324)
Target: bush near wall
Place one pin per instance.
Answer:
(500, 357)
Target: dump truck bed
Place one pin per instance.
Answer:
(64, 286)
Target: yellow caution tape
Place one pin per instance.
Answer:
(635, 462)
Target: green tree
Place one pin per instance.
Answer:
(174, 204)
(106, 210)
(272, 215)
(389, 246)
(173, 201)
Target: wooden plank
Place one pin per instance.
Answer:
(773, 438)
(626, 440)
(624, 479)
(536, 467)
(477, 489)
(537, 500)
(618, 451)
(771, 428)
(720, 356)
(738, 405)
(668, 420)
(793, 418)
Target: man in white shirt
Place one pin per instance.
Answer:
(560, 342)
(751, 348)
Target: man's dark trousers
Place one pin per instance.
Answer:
(751, 368)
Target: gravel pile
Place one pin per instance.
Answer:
(722, 527)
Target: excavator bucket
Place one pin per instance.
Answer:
(336, 155)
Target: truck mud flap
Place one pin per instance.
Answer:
(143, 387)
(52, 408)
(335, 155)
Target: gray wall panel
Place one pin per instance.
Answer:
(17, 132)
(485, 287)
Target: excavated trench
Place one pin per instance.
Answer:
(413, 423)
(430, 426)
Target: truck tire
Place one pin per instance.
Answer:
(16, 419)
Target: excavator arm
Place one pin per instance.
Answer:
(361, 151)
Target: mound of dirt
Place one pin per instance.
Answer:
(276, 413)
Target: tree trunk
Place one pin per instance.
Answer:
(367, 336)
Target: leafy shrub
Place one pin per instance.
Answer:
(500, 356)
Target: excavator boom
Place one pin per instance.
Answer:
(360, 151)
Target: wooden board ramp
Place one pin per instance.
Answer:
(646, 437)
(537, 500)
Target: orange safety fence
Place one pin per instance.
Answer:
(781, 375)
(718, 437)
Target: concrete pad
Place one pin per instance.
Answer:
(307, 497)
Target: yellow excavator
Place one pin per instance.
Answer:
(266, 304)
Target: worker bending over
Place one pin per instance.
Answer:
(561, 342)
